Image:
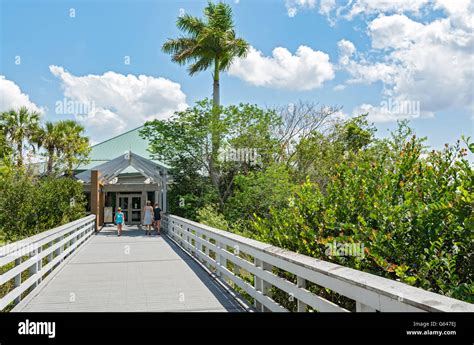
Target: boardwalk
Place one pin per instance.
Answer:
(102, 272)
(130, 273)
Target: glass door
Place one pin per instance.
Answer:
(123, 204)
(131, 207)
(136, 209)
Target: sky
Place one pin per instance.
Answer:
(100, 62)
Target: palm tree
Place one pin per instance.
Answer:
(20, 127)
(208, 42)
(73, 146)
(50, 138)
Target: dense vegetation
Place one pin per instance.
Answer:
(33, 200)
(30, 205)
(319, 181)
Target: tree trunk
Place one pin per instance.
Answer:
(50, 162)
(19, 158)
(215, 135)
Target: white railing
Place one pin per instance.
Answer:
(36, 256)
(228, 254)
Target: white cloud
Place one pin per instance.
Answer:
(292, 6)
(396, 31)
(460, 12)
(121, 102)
(346, 50)
(305, 70)
(11, 97)
(339, 87)
(367, 7)
(325, 9)
(426, 62)
(326, 6)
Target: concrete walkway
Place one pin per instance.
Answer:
(133, 272)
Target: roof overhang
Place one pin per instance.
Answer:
(111, 169)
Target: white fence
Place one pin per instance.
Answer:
(228, 254)
(35, 256)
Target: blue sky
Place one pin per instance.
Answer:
(364, 56)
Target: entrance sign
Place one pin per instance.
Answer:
(108, 218)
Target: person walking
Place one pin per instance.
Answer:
(157, 218)
(119, 219)
(148, 217)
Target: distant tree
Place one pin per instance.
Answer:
(184, 141)
(50, 140)
(73, 145)
(357, 133)
(298, 122)
(20, 127)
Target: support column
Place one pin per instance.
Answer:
(101, 207)
(95, 190)
(165, 201)
(157, 196)
(144, 199)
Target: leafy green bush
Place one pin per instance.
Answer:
(30, 205)
(210, 216)
(410, 212)
(256, 191)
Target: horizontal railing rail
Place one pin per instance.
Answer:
(36, 256)
(227, 254)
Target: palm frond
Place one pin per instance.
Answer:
(200, 65)
(189, 24)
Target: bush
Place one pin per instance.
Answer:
(210, 216)
(30, 205)
(411, 213)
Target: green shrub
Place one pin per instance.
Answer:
(411, 213)
(210, 216)
(30, 205)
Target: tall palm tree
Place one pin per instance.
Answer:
(50, 138)
(20, 127)
(73, 146)
(209, 42)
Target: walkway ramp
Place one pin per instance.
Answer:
(131, 273)
(194, 267)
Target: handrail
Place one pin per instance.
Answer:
(44, 252)
(217, 248)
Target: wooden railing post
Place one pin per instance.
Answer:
(17, 281)
(34, 268)
(39, 264)
(301, 283)
(261, 285)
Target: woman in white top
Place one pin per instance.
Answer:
(148, 217)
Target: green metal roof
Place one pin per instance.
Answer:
(114, 147)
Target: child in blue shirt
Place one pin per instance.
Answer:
(119, 219)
